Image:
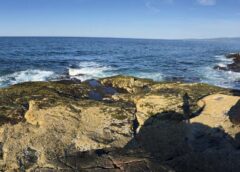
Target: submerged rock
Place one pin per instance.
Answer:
(118, 124)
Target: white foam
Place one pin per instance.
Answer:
(89, 70)
(223, 58)
(156, 76)
(219, 77)
(222, 65)
(25, 76)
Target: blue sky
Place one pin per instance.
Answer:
(173, 19)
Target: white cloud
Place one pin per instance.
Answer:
(151, 7)
(207, 2)
(154, 5)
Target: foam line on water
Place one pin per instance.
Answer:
(25, 76)
(219, 77)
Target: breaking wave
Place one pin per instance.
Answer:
(26, 76)
(89, 70)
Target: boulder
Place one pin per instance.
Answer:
(217, 113)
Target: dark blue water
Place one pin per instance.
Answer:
(39, 59)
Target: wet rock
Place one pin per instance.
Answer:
(235, 56)
(94, 83)
(95, 95)
(234, 66)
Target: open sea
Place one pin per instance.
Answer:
(25, 59)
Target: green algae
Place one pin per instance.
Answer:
(14, 99)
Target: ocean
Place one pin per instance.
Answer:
(24, 59)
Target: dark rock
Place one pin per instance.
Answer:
(95, 96)
(69, 81)
(94, 83)
(28, 158)
(233, 56)
(1, 150)
(220, 68)
(234, 113)
(235, 66)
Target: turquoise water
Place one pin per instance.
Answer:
(39, 59)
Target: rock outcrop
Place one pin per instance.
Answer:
(118, 124)
(234, 66)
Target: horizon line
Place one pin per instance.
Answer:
(109, 37)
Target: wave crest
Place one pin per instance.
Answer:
(89, 70)
(25, 76)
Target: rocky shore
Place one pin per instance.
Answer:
(119, 124)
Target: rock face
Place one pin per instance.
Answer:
(217, 113)
(118, 124)
(234, 66)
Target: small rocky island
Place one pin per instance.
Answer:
(119, 124)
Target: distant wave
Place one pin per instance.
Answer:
(93, 58)
(224, 59)
(26, 76)
(93, 70)
(156, 76)
(89, 70)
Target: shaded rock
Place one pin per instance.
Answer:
(112, 160)
(95, 95)
(69, 81)
(1, 151)
(94, 83)
(234, 113)
(27, 159)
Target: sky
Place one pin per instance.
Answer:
(157, 19)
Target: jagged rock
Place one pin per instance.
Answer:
(128, 84)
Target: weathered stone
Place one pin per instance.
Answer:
(118, 124)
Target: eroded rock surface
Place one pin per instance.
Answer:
(118, 124)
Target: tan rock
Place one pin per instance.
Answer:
(59, 126)
(52, 131)
(150, 105)
(215, 113)
(129, 84)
